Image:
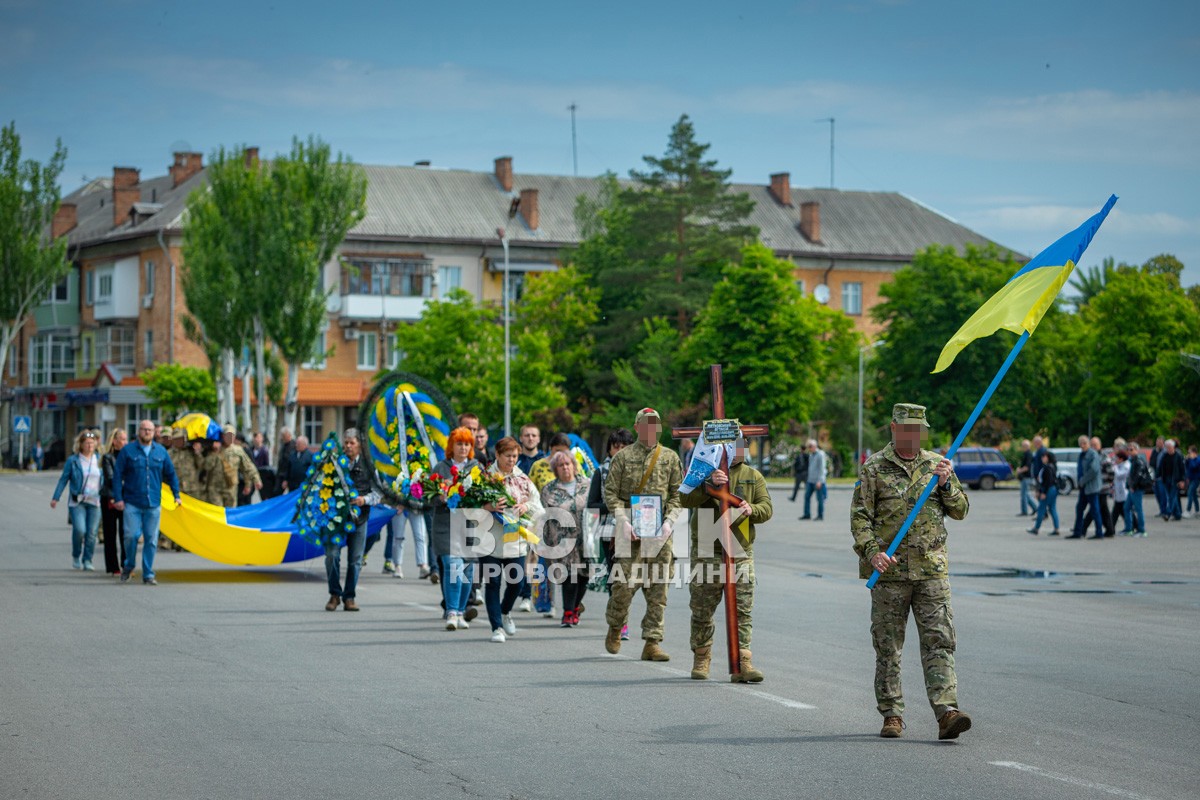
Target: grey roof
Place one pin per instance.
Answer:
(423, 204)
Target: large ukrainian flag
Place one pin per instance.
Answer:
(1028, 295)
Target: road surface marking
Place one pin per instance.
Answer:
(1071, 779)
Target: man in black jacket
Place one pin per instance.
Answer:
(294, 468)
(359, 477)
(799, 471)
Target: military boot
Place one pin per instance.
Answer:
(748, 674)
(893, 728)
(701, 662)
(952, 723)
(612, 642)
(652, 652)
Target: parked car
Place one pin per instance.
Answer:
(981, 467)
(1067, 459)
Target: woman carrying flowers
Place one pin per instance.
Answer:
(565, 502)
(458, 569)
(515, 514)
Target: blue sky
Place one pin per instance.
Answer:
(1018, 119)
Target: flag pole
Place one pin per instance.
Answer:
(958, 440)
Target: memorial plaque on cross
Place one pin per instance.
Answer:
(724, 430)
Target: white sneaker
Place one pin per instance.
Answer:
(87, 567)
(510, 627)
(451, 622)
(423, 573)
(525, 605)
(498, 635)
(397, 573)
(478, 597)
(462, 622)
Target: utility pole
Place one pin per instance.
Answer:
(574, 151)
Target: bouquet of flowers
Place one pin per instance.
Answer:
(476, 489)
(323, 511)
(422, 487)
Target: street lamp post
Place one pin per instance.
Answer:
(507, 350)
(861, 351)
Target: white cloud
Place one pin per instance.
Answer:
(1060, 218)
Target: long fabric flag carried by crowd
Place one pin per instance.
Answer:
(1018, 307)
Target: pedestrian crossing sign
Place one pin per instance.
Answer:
(22, 425)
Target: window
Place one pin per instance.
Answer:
(91, 287)
(115, 345)
(394, 354)
(516, 287)
(852, 297)
(970, 457)
(800, 286)
(13, 367)
(148, 350)
(104, 288)
(51, 359)
(312, 425)
(449, 279)
(149, 279)
(87, 345)
(388, 277)
(135, 414)
(317, 359)
(59, 292)
(366, 350)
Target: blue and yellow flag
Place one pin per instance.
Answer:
(1028, 295)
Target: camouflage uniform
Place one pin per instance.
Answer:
(887, 489)
(707, 587)
(187, 467)
(236, 459)
(217, 478)
(651, 572)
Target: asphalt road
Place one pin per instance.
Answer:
(235, 683)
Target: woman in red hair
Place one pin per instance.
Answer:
(457, 571)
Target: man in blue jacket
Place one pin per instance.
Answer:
(141, 469)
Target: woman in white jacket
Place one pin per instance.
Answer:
(506, 562)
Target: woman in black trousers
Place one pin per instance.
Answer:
(111, 520)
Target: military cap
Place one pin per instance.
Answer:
(229, 428)
(643, 414)
(178, 433)
(909, 414)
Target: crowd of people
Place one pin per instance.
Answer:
(1111, 484)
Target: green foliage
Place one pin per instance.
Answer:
(653, 377)
(777, 348)
(658, 246)
(459, 346)
(1136, 329)
(176, 389)
(30, 264)
(561, 307)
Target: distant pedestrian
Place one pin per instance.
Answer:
(1172, 474)
(358, 475)
(1047, 493)
(799, 471)
(84, 474)
(817, 475)
(1192, 465)
(1025, 474)
(1088, 479)
(1160, 492)
(138, 476)
(1139, 483)
(38, 455)
(259, 452)
(293, 472)
(1120, 486)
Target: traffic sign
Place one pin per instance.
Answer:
(22, 425)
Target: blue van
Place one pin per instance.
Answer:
(981, 467)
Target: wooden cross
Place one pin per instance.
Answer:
(727, 500)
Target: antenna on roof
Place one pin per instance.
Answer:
(830, 121)
(574, 151)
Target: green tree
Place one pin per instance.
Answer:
(1089, 282)
(315, 199)
(654, 376)
(658, 245)
(1166, 265)
(924, 305)
(561, 305)
(30, 263)
(777, 348)
(459, 346)
(176, 389)
(1135, 331)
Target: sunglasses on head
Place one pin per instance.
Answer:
(90, 435)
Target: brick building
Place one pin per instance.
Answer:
(427, 230)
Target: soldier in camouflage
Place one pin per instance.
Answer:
(706, 583)
(241, 463)
(643, 468)
(217, 477)
(917, 577)
(186, 461)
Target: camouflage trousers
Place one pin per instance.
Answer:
(651, 575)
(930, 604)
(708, 588)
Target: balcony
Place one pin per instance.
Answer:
(385, 288)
